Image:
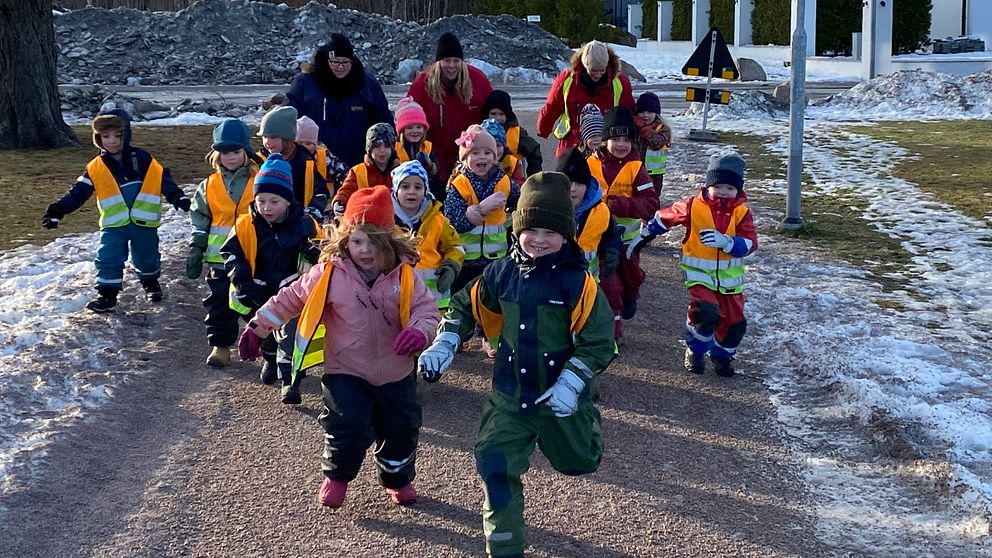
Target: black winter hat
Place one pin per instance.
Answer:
(546, 202)
(619, 121)
(726, 167)
(499, 99)
(448, 47)
(573, 164)
(340, 47)
(648, 102)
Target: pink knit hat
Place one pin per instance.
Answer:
(475, 137)
(306, 130)
(410, 112)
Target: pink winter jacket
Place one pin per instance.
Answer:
(361, 322)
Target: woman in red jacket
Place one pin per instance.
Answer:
(452, 93)
(593, 76)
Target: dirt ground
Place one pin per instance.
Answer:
(191, 461)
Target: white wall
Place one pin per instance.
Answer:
(945, 18)
(980, 21)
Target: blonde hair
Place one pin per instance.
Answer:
(435, 88)
(393, 245)
(214, 159)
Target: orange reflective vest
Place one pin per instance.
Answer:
(708, 266)
(145, 211)
(622, 185)
(320, 157)
(596, 224)
(401, 153)
(223, 213)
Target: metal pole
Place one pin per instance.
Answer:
(797, 108)
(709, 78)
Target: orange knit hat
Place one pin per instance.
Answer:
(370, 205)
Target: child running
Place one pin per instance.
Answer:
(596, 230)
(269, 248)
(654, 138)
(719, 233)
(380, 159)
(441, 251)
(518, 141)
(218, 202)
(330, 168)
(278, 132)
(129, 185)
(555, 336)
(590, 129)
(364, 313)
(413, 145)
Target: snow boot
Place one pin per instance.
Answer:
(153, 291)
(105, 300)
(332, 493)
(270, 371)
(629, 309)
(291, 395)
(723, 366)
(403, 496)
(219, 357)
(694, 363)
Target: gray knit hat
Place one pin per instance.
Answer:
(379, 133)
(726, 167)
(279, 122)
(546, 202)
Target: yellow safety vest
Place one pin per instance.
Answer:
(146, 211)
(320, 157)
(223, 214)
(622, 185)
(513, 140)
(708, 266)
(596, 224)
(488, 239)
(564, 124)
(401, 154)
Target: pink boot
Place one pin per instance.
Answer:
(332, 493)
(403, 496)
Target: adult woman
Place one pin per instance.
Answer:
(452, 93)
(341, 97)
(593, 76)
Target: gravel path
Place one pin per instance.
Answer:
(190, 461)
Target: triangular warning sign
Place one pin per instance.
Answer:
(723, 63)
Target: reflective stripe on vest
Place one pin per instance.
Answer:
(320, 157)
(592, 232)
(656, 161)
(564, 124)
(707, 266)
(308, 349)
(146, 211)
(401, 154)
(223, 214)
(488, 239)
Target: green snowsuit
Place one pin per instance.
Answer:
(534, 306)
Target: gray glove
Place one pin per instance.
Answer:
(194, 262)
(446, 275)
(437, 358)
(563, 396)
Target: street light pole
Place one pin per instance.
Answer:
(797, 108)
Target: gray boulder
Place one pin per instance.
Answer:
(750, 70)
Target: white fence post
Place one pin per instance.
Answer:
(665, 17)
(635, 19)
(810, 25)
(700, 20)
(742, 22)
(876, 32)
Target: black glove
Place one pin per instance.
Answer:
(183, 203)
(52, 216)
(194, 262)
(609, 262)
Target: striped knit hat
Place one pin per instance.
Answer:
(275, 177)
(590, 122)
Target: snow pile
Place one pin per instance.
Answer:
(755, 105)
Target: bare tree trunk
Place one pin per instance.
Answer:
(30, 111)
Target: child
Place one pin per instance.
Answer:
(129, 185)
(374, 313)
(655, 138)
(719, 233)
(480, 224)
(630, 195)
(380, 158)
(269, 248)
(511, 166)
(441, 251)
(412, 126)
(596, 230)
(330, 168)
(278, 132)
(518, 142)
(218, 202)
(555, 336)
(590, 129)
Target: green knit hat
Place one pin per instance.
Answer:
(279, 122)
(546, 202)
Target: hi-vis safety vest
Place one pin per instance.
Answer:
(492, 322)
(146, 211)
(596, 224)
(564, 124)
(707, 266)
(430, 257)
(244, 228)
(513, 140)
(622, 185)
(320, 157)
(401, 153)
(488, 239)
(508, 164)
(223, 214)
(310, 332)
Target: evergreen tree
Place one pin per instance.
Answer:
(910, 25)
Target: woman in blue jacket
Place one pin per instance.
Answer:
(341, 97)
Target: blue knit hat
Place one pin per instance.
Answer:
(495, 130)
(275, 177)
(232, 134)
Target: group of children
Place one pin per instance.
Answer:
(355, 276)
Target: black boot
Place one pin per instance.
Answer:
(291, 395)
(105, 301)
(270, 371)
(723, 366)
(694, 363)
(629, 309)
(153, 291)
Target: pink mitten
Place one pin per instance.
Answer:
(248, 346)
(474, 215)
(492, 203)
(409, 341)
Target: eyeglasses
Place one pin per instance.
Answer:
(340, 63)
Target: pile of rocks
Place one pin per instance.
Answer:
(242, 42)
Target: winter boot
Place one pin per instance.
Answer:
(723, 366)
(270, 371)
(291, 395)
(153, 291)
(332, 493)
(403, 496)
(629, 309)
(105, 300)
(219, 357)
(694, 363)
